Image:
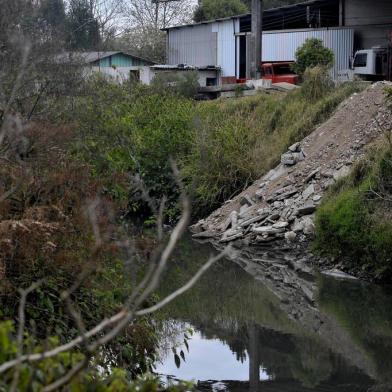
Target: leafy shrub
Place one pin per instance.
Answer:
(36, 376)
(312, 54)
(134, 131)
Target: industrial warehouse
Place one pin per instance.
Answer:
(345, 26)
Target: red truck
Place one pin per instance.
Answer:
(279, 72)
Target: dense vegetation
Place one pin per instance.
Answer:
(47, 236)
(355, 221)
(220, 146)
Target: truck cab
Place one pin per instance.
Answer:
(279, 72)
(371, 64)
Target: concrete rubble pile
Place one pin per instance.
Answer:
(279, 209)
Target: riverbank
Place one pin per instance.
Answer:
(278, 210)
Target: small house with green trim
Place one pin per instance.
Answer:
(118, 65)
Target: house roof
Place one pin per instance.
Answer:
(271, 10)
(91, 57)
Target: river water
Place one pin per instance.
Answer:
(257, 322)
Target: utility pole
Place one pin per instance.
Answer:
(256, 39)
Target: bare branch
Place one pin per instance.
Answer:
(184, 288)
(67, 378)
(21, 329)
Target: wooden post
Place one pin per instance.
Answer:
(256, 39)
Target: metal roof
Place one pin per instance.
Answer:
(277, 9)
(185, 67)
(91, 57)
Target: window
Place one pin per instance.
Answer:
(283, 70)
(360, 60)
(134, 75)
(211, 82)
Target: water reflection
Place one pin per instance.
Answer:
(263, 323)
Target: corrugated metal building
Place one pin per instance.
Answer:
(281, 46)
(343, 25)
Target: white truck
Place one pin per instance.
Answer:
(368, 64)
(371, 64)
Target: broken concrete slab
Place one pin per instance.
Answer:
(205, 234)
(338, 274)
(246, 200)
(280, 225)
(296, 147)
(256, 219)
(309, 191)
(311, 175)
(307, 208)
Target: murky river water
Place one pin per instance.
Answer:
(257, 323)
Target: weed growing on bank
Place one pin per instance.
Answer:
(235, 142)
(355, 221)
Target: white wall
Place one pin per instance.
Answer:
(120, 74)
(226, 58)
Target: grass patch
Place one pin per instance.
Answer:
(355, 221)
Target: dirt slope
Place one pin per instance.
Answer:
(280, 206)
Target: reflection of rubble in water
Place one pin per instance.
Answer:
(294, 284)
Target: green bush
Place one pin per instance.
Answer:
(354, 223)
(312, 54)
(134, 131)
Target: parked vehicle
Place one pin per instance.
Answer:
(371, 64)
(279, 72)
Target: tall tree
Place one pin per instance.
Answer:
(147, 18)
(52, 18)
(82, 26)
(215, 9)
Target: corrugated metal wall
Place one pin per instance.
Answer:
(215, 44)
(281, 45)
(196, 45)
(226, 58)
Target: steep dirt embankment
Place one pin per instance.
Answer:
(278, 209)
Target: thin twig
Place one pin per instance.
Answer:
(184, 288)
(68, 377)
(21, 329)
